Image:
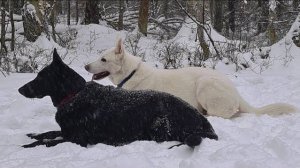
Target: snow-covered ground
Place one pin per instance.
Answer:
(246, 142)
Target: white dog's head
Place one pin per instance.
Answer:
(110, 62)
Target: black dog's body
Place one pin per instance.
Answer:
(104, 114)
(115, 116)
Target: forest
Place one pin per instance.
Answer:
(245, 27)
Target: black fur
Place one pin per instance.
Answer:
(113, 116)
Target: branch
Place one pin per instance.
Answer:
(161, 25)
(2, 73)
(201, 25)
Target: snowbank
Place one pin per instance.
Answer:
(248, 141)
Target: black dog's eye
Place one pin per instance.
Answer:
(103, 59)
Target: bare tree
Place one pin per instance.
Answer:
(77, 11)
(53, 19)
(231, 20)
(165, 9)
(171, 55)
(143, 16)
(12, 23)
(280, 7)
(45, 11)
(212, 11)
(204, 28)
(121, 14)
(295, 4)
(264, 16)
(68, 12)
(218, 15)
(18, 5)
(272, 35)
(92, 12)
(3, 46)
(197, 9)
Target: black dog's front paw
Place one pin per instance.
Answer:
(32, 135)
(46, 142)
(34, 144)
(50, 138)
(46, 135)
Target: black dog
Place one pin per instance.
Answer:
(90, 113)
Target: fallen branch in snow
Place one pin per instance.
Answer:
(201, 25)
(2, 73)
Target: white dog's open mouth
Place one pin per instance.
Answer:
(100, 75)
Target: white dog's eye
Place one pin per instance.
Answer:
(103, 59)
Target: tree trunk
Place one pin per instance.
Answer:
(121, 13)
(231, 19)
(196, 8)
(143, 16)
(212, 11)
(154, 10)
(280, 8)
(53, 20)
(18, 6)
(200, 17)
(92, 12)
(165, 9)
(218, 15)
(59, 7)
(11, 15)
(263, 23)
(45, 11)
(272, 35)
(295, 4)
(68, 12)
(32, 27)
(3, 46)
(77, 12)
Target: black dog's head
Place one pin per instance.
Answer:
(57, 80)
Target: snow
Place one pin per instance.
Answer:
(273, 5)
(248, 141)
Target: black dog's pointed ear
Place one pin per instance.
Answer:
(56, 57)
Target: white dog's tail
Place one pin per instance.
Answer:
(272, 109)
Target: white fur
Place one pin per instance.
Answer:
(205, 89)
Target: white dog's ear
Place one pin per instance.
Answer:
(119, 51)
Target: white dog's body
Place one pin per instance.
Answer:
(205, 89)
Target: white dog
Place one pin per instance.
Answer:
(205, 89)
